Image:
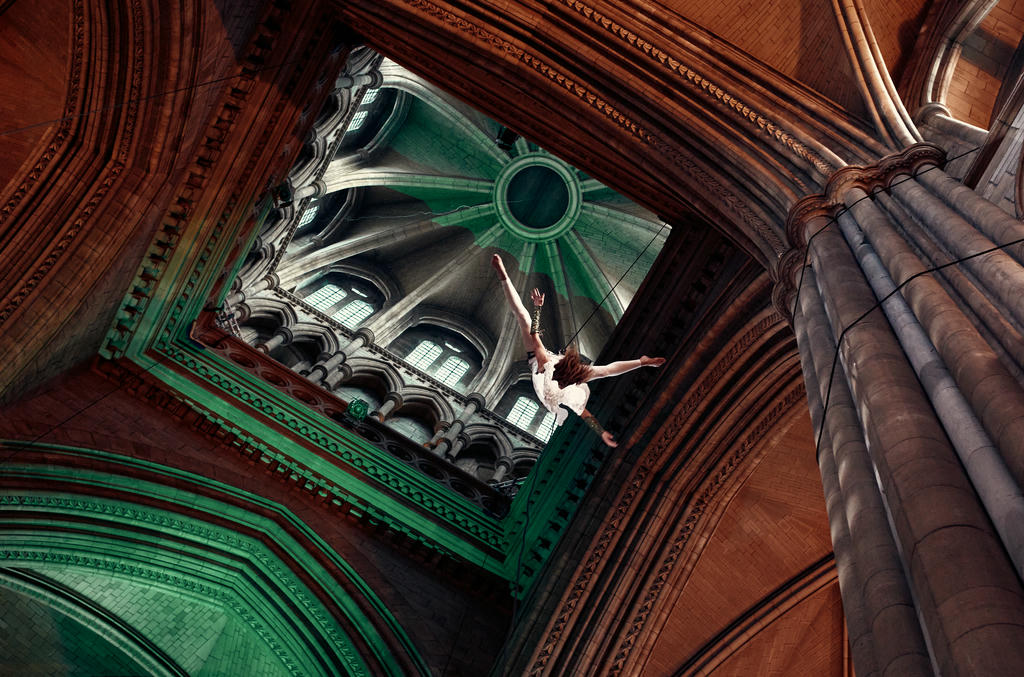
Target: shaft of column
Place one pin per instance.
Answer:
(458, 444)
(324, 370)
(1001, 275)
(442, 428)
(501, 468)
(982, 378)
(474, 403)
(850, 579)
(282, 336)
(968, 594)
(998, 491)
(260, 285)
(999, 226)
(1004, 334)
(389, 404)
(884, 592)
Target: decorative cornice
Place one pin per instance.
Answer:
(285, 468)
(68, 118)
(114, 166)
(753, 119)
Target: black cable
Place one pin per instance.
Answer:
(119, 385)
(617, 282)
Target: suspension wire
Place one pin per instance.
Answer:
(878, 304)
(120, 384)
(622, 277)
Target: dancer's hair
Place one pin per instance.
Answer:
(570, 370)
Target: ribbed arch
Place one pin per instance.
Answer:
(384, 373)
(467, 329)
(325, 338)
(441, 409)
(166, 571)
(490, 434)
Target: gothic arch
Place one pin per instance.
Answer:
(109, 536)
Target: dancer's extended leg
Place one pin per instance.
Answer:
(516, 304)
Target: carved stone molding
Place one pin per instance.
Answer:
(754, 120)
(128, 109)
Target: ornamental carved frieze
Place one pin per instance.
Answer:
(753, 119)
(71, 119)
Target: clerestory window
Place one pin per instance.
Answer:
(357, 120)
(423, 355)
(370, 96)
(452, 370)
(353, 313)
(522, 413)
(309, 214)
(546, 427)
(326, 296)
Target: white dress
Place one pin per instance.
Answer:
(551, 396)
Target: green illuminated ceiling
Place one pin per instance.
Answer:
(424, 157)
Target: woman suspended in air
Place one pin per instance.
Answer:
(560, 381)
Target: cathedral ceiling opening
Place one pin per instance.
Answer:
(386, 226)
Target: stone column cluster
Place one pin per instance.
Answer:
(452, 442)
(909, 316)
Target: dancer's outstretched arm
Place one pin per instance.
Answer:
(531, 339)
(622, 366)
(595, 425)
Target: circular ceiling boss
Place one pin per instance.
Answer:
(537, 197)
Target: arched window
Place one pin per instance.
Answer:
(357, 120)
(423, 355)
(522, 412)
(353, 313)
(326, 296)
(370, 96)
(309, 214)
(452, 371)
(546, 427)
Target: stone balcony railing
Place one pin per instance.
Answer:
(241, 354)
